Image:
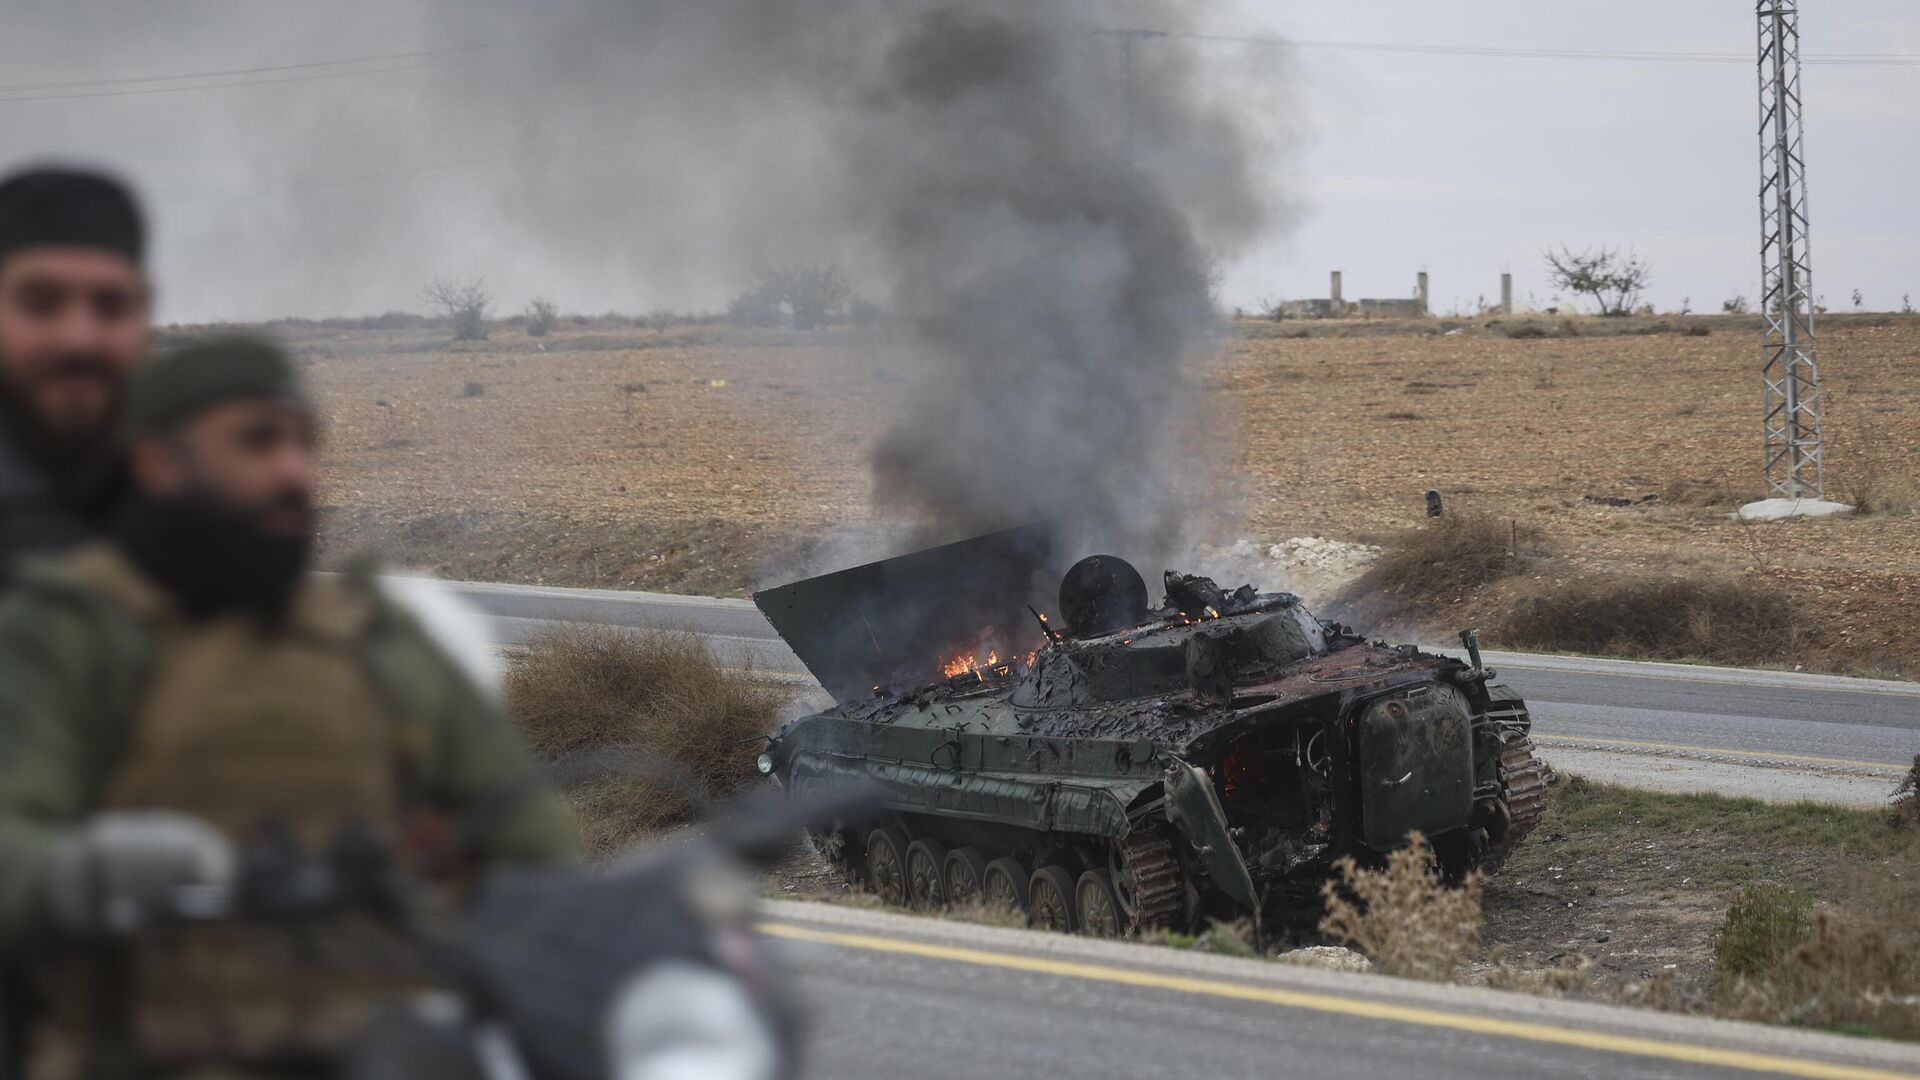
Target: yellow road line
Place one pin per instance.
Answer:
(1343, 1006)
(1761, 754)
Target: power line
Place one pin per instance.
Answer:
(216, 86)
(211, 193)
(236, 77)
(1494, 52)
(386, 63)
(129, 79)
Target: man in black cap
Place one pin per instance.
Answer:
(74, 307)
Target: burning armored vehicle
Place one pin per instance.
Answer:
(1141, 766)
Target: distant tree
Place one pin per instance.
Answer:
(1735, 306)
(757, 307)
(1906, 303)
(1613, 280)
(464, 303)
(814, 292)
(1859, 301)
(542, 315)
(808, 293)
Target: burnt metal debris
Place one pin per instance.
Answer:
(1206, 759)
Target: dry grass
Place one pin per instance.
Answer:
(1567, 975)
(1234, 938)
(1704, 493)
(1403, 916)
(1458, 551)
(986, 914)
(1659, 991)
(1905, 805)
(1725, 619)
(1856, 444)
(1721, 617)
(1854, 972)
(583, 693)
(1641, 880)
(1764, 923)
(1432, 565)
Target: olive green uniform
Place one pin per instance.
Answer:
(345, 713)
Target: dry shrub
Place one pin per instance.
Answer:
(1524, 331)
(581, 690)
(1764, 923)
(1235, 938)
(1435, 564)
(988, 914)
(1855, 447)
(1854, 973)
(1905, 805)
(1870, 493)
(1660, 992)
(1404, 916)
(1691, 491)
(1727, 620)
(1564, 976)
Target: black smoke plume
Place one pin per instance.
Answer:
(1036, 191)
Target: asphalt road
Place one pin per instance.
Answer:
(1679, 727)
(897, 995)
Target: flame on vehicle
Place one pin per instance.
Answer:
(966, 664)
(983, 661)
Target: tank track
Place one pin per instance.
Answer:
(1523, 788)
(1159, 892)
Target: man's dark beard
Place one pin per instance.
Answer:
(74, 458)
(210, 557)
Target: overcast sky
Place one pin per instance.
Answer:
(1467, 166)
(1460, 165)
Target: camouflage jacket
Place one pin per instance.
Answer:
(73, 667)
(36, 516)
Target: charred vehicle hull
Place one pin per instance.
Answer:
(1206, 759)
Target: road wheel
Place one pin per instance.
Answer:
(887, 864)
(1003, 885)
(1050, 899)
(925, 861)
(1097, 906)
(963, 874)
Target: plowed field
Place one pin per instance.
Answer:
(705, 459)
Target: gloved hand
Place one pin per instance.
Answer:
(121, 864)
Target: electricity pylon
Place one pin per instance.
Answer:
(1794, 454)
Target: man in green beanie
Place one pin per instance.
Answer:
(173, 694)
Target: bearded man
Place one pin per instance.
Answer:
(74, 309)
(177, 693)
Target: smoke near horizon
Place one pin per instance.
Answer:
(1039, 201)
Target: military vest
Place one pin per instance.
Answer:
(249, 729)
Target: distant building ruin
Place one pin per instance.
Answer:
(1337, 306)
